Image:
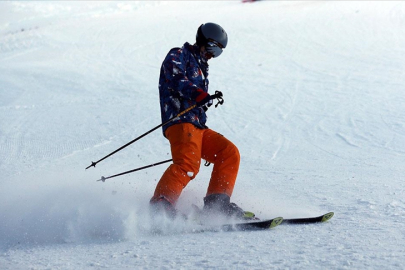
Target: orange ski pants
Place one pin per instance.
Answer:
(188, 145)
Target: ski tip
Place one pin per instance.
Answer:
(276, 221)
(93, 164)
(327, 216)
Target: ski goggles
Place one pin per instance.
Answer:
(214, 48)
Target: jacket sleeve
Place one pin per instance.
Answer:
(174, 67)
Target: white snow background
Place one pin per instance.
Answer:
(314, 99)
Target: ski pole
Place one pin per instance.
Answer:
(93, 164)
(218, 95)
(134, 170)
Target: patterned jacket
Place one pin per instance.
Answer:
(183, 72)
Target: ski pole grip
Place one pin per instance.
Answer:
(218, 95)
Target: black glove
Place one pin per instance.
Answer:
(204, 98)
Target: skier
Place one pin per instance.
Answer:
(183, 83)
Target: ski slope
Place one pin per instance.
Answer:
(313, 99)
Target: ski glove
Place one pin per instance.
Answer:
(204, 98)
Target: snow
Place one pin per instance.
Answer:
(313, 99)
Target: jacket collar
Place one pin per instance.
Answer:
(202, 61)
(195, 50)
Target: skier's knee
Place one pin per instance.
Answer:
(232, 154)
(189, 170)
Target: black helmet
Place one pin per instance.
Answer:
(213, 37)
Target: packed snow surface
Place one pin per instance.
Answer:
(314, 99)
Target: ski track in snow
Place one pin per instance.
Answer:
(313, 99)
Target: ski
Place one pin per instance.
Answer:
(271, 223)
(247, 226)
(309, 220)
(253, 226)
(260, 225)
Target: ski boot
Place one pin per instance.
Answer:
(162, 207)
(220, 204)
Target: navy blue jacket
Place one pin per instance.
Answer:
(183, 72)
